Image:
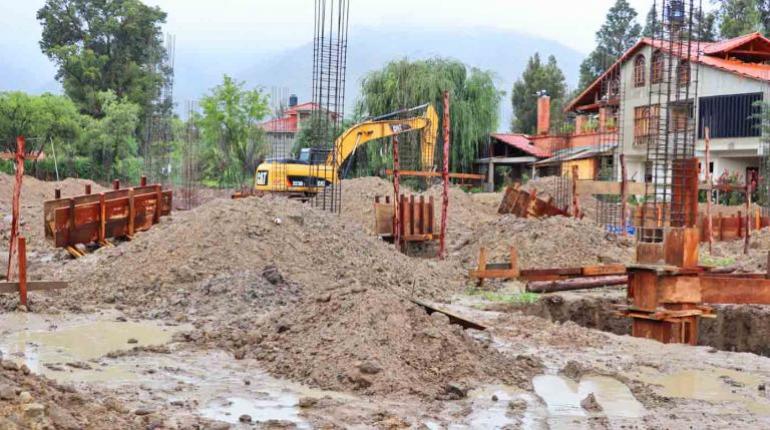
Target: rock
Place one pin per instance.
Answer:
(244, 418)
(22, 308)
(518, 405)
(239, 354)
(143, 411)
(132, 340)
(24, 369)
(761, 387)
(440, 318)
(456, 390)
(323, 297)
(590, 404)
(7, 393)
(495, 398)
(10, 365)
(177, 403)
(246, 382)
(272, 275)
(573, 370)
(33, 411)
(307, 402)
(369, 368)
(25, 397)
(121, 319)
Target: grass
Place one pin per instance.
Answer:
(511, 298)
(708, 260)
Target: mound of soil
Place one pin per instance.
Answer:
(34, 193)
(372, 341)
(730, 253)
(28, 401)
(546, 243)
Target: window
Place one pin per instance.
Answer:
(639, 66)
(734, 115)
(681, 115)
(683, 73)
(646, 124)
(657, 67)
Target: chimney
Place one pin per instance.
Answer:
(293, 100)
(543, 115)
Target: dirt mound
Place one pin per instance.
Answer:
(34, 193)
(464, 213)
(549, 185)
(547, 243)
(372, 341)
(31, 402)
(730, 253)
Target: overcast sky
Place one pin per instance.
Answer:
(276, 24)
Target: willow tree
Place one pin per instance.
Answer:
(403, 84)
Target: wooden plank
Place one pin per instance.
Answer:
(733, 290)
(576, 284)
(420, 174)
(13, 287)
(603, 270)
(679, 289)
(649, 253)
(453, 318)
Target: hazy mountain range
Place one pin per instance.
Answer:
(199, 68)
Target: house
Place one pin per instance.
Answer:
(282, 131)
(732, 77)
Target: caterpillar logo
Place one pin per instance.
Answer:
(400, 128)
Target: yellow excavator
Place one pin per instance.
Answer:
(318, 168)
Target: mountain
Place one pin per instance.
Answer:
(199, 68)
(503, 52)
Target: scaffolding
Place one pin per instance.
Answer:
(159, 130)
(671, 164)
(330, 44)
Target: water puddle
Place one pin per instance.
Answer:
(271, 406)
(67, 349)
(492, 414)
(562, 397)
(718, 385)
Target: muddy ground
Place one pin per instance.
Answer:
(267, 313)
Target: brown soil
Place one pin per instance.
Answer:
(28, 401)
(34, 193)
(548, 243)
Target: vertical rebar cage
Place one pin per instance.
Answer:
(671, 118)
(608, 148)
(330, 44)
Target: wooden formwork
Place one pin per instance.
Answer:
(416, 215)
(93, 218)
(526, 204)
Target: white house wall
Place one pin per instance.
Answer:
(732, 153)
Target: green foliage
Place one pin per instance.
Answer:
(234, 144)
(739, 17)
(618, 33)
(400, 84)
(39, 118)
(708, 260)
(537, 78)
(105, 45)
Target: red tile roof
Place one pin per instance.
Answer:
(521, 142)
(712, 54)
(281, 125)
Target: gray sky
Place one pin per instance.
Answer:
(275, 24)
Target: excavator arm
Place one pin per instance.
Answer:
(351, 139)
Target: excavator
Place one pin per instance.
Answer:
(315, 169)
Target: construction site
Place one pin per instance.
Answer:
(317, 298)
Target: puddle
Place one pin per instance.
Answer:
(562, 397)
(47, 343)
(489, 414)
(709, 385)
(274, 406)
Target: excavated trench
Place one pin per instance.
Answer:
(737, 328)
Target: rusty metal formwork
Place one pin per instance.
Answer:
(671, 117)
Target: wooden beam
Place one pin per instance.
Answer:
(575, 284)
(453, 318)
(735, 290)
(13, 287)
(421, 174)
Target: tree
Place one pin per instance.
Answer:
(105, 45)
(234, 142)
(537, 78)
(110, 140)
(618, 33)
(704, 25)
(739, 17)
(401, 84)
(42, 119)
